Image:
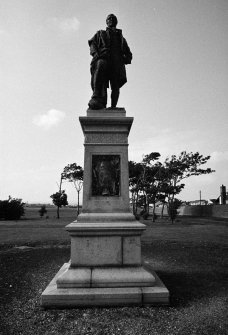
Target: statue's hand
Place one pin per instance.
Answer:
(126, 59)
(105, 54)
(95, 56)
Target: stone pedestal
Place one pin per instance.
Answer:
(106, 266)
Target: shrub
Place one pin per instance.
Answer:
(144, 214)
(137, 216)
(42, 210)
(11, 209)
(172, 208)
(154, 217)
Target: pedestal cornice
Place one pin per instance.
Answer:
(106, 121)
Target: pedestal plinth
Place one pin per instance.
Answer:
(106, 265)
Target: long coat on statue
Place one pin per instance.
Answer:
(100, 48)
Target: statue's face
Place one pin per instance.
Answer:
(111, 21)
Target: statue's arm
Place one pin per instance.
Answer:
(97, 47)
(93, 45)
(127, 55)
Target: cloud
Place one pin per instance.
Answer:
(50, 119)
(65, 25)
(4, 34)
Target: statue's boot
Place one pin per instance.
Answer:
(99, 98)
(95, 104)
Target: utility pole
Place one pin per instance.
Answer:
(200, 197)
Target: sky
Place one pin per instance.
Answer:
(177, 89)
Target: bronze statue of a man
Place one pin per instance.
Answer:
(110, 53)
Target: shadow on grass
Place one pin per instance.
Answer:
(188, 287)
(190, 271)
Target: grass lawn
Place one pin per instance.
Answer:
(190, 257)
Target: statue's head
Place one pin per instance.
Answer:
(111, 21)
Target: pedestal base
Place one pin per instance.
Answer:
(104, 296)
(124, 276)
(106, 266)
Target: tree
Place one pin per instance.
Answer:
(59, 199)
(74, 173)
(42, 210)
(135, 171)
(151, 181)
(181, 167)
(142, 181)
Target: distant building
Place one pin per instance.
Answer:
(221, 200)
(213, 201)
(198, 202)
(225, 201)
(223, 195)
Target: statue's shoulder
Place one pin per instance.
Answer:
(98, 34)
(101, 32)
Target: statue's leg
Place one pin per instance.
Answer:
(104, 95)
(99, 97)
(115, 91)
(114, 96)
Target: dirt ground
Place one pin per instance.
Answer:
(191, 258)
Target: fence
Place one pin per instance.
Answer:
(217, 211)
